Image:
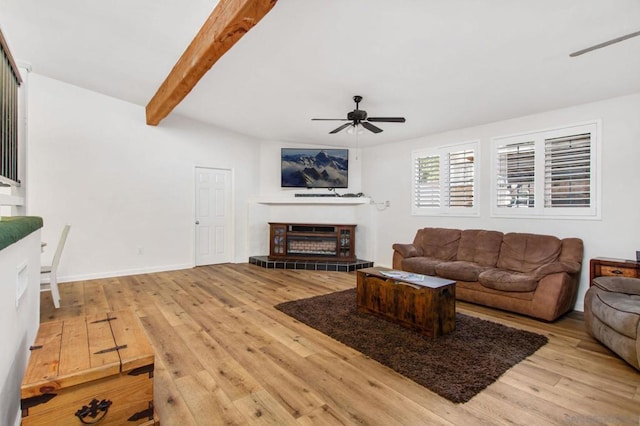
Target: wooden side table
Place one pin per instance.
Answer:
(606, 266)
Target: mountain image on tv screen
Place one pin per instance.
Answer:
(315, 168)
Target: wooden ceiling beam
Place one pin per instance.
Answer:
(229, 21)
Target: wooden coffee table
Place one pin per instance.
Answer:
(420, 302)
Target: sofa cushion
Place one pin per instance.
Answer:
(626, 285)
(526, 252)
(459, 270)
(439, 243)
(556, 267)
(473, 291)
(501, 279)
(421, 265)
(479, 246)
(619, 311)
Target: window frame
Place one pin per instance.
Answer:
(539, 210)
(444, 184)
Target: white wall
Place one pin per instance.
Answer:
(18, 321)
(123, 185)
(616, 234)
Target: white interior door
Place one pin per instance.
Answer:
(214, 216)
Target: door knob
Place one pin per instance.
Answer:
(197, 222)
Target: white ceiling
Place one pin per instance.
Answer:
(441, 64)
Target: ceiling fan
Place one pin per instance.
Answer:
(605, 44)
(359, 117)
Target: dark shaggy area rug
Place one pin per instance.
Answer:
(456, 366)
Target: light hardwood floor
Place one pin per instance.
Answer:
(224, 355)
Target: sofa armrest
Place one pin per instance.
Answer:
(569, 267)
(555, 295)
(626, 285)
(407, 250)
(572, 250)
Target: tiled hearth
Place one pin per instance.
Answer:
(311, 265)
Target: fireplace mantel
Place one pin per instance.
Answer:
(345, 201)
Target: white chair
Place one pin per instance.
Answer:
(52, 270)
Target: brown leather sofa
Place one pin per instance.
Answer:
(534, 275)
(612, 315)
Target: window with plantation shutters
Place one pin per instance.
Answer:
(444, 180)
(9, 82)
(550, 173)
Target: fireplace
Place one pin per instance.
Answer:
(294, 241)
(315, 246)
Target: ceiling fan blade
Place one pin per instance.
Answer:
(605, 44)
(371, 127)
(386, 119)
(344, 126)
(329, 119)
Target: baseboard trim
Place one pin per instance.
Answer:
(123, 273)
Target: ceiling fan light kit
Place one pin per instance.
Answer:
(355, 129)
(358, 119)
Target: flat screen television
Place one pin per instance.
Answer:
(314, 168)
